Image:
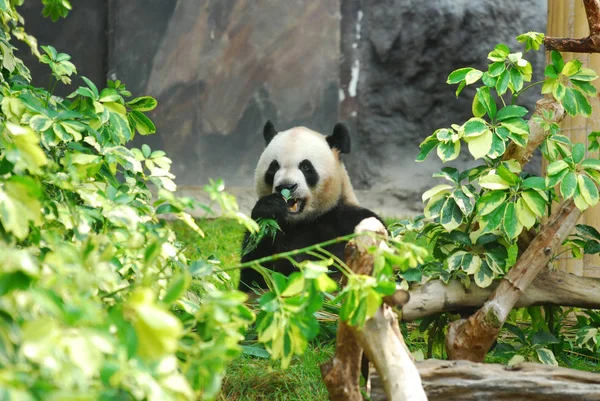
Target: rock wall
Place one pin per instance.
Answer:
(406, 50)
(81, 35)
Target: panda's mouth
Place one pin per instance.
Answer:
(295, 205)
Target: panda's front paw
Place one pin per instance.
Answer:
(271, 206)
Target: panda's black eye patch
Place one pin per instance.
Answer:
(310, 174)
(270, 174)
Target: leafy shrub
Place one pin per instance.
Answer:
(480, 213)
(472, 223)
(93, 286)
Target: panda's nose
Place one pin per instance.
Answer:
(289, 187)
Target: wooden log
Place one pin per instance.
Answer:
(470, 381)
(384, 346)
(549, 288)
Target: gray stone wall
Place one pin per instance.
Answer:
(221, 68)
(407, 48)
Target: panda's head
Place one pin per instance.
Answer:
(308, 164)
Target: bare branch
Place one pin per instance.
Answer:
(589, 44)
(537, 134)
(380, 337)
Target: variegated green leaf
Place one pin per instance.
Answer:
(526, 217)
(435, 204)
(556, 167)
(580, 202)
(448, 151)
(588, 189)
(546, 356)
(568, 185)
(490, 202)
(510, 223)
(465, 201)
(535, 201)
(436, 190)
(484, 276)
(450, 215)
(493, 181)
(480, 145)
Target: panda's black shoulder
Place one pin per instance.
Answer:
(347, 216)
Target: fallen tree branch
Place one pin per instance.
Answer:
(589, 44)
(380, 337)
(472, 338)
(549, 288)
(469, 381)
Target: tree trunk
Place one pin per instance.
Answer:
(468, 381)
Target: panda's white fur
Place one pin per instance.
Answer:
(289, 148)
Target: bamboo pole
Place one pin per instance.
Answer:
(567, 18)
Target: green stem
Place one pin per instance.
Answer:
(343, 267)
(295, 252)
(516, 95)
(51, 89)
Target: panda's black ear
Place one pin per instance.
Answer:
(340, 139)
(269, 132)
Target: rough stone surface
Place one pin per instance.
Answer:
(407, 48)
(220, 69)
(80, 35)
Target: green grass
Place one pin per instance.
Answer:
(223, 240)
(258, 379)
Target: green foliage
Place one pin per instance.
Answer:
(267, 228)
(55, 9)
(588, 333)
(98, 299)
(569, 83)
(492, 203)
(472, 222)
(59, 63)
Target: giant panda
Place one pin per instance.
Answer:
(322, 206)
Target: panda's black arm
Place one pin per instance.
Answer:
(273, 207)
(350, 216)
